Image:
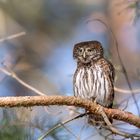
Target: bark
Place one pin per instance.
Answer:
(28, 101)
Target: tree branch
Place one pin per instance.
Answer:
(13, 36)
(28, 101)
(125, 91)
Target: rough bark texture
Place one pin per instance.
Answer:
(28, 101)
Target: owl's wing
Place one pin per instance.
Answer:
(109, 70)
(108, 75)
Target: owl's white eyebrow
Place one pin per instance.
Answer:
(81, 48)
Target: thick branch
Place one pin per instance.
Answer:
(28, 101)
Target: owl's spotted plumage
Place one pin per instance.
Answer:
(94, 76)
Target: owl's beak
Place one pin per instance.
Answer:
(84, 55)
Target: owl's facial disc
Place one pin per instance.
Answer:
(86, 54)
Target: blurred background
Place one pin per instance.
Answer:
(42, 57)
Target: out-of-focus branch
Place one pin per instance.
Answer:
(14, 76)
(12, 36)
(60, 125)
(28, 101)
(125, 91)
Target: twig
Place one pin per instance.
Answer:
(80, 133)
(114, 130)
(70, 131)
(60, 125)
(119, 90)
(13, 36)
(14, 76)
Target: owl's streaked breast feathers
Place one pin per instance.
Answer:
(95, 82)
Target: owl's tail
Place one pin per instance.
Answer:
(97, 120)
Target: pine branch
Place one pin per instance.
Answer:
(28, 101)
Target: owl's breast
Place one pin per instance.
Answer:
(84, 82)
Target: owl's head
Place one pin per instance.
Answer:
(86, 52)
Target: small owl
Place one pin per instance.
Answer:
(94, 76)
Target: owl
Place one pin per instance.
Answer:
(94, 76)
